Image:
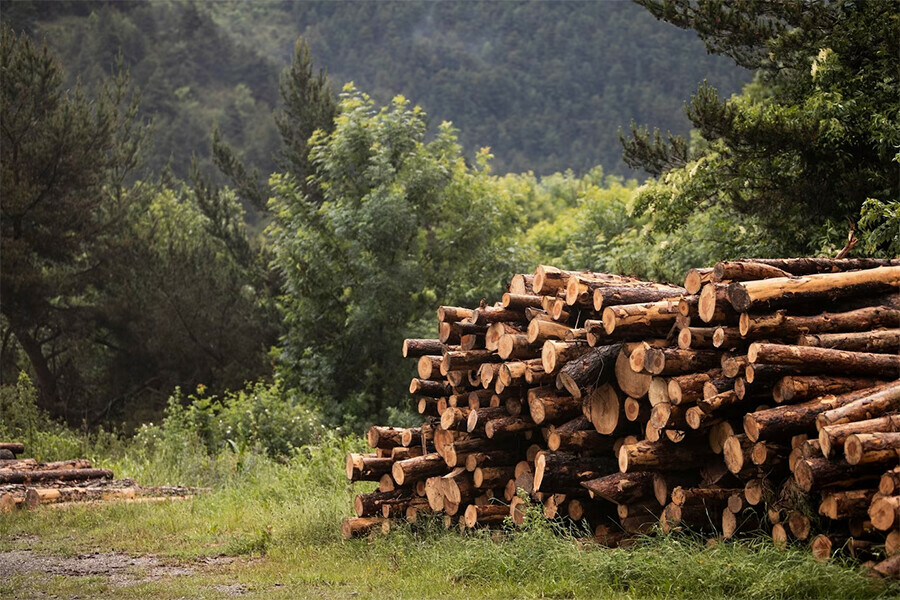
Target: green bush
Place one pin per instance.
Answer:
(261, 417)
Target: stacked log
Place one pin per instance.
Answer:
(28, 483)
(728, 405)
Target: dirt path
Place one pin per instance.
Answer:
(120, 569)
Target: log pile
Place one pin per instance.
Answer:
(731, 405)
(28, 483)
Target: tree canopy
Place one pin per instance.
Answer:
(807, 144)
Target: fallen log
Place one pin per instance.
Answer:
(57, 474)
(880, 341)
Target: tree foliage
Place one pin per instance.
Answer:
(806, 144)
(402, 224)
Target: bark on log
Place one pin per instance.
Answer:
(674, 361)
(521, 283)
(485, 515)
(545, 404)
(452, 314)
(57, 474)
(780, 325)
(639, 316)
(696, 338)
(413, 348)
(784, 421)
(432, 389)
(508, 426)
(364, 467)
(622, 488)
(813, 288)
(589, 441)
(873, 448)
(645, 456)
(684, 389)
(794, 388)
(845, 504)
(817, 473)
(889, 484)
(360, 526)
(635, 294)
(811, 266)
(539, 331)
(553, 470)
(832, 437)
(593, 368)
(826, 359)
(488, 477)
(486, 315)
(555, 354)
(517, 347)
(420, 467)
(14, 447)
(881, 341)
(878, 402)
(463, 360)
(385, 437)
(745, 271)
(368, 505)
(519, 302)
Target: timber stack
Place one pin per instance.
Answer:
(28, 483)
(728, 405)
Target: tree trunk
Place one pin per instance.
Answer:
(696, 278)
(413, 348)
(452, 314)
(420, 467)
(622, 488)
(779, 325)
(832, 437)
(811, 266)
(555, 354)
(845, 504)
(794, 388)
(645, 456)
(57, 474)
(639, 316)
(520, 302)
(713, 306)
(826, 360)
(817, 473)
(684, 389)
(635, 385)
(545, 404)
(878, 402)
(745, 271)
(367, 467)
(360, 526)
(553, 470)
(813, 288)
(636, 294)
(885, 341)
(48, 396)
(595, 367)
(486, 514)
(508, 425)
(674, 361)
(885, 512)
(784, 421)
(432, 389)
(873, 448)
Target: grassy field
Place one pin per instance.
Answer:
(270, 529)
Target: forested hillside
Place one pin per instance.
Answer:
(130, 269)
(546, 85)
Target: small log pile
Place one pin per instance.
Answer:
(759, 391)
(28, 483)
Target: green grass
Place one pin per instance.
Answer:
(281, 521)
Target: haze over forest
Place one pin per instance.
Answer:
(546, 85)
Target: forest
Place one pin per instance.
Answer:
(221, 220)
(199, 222)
